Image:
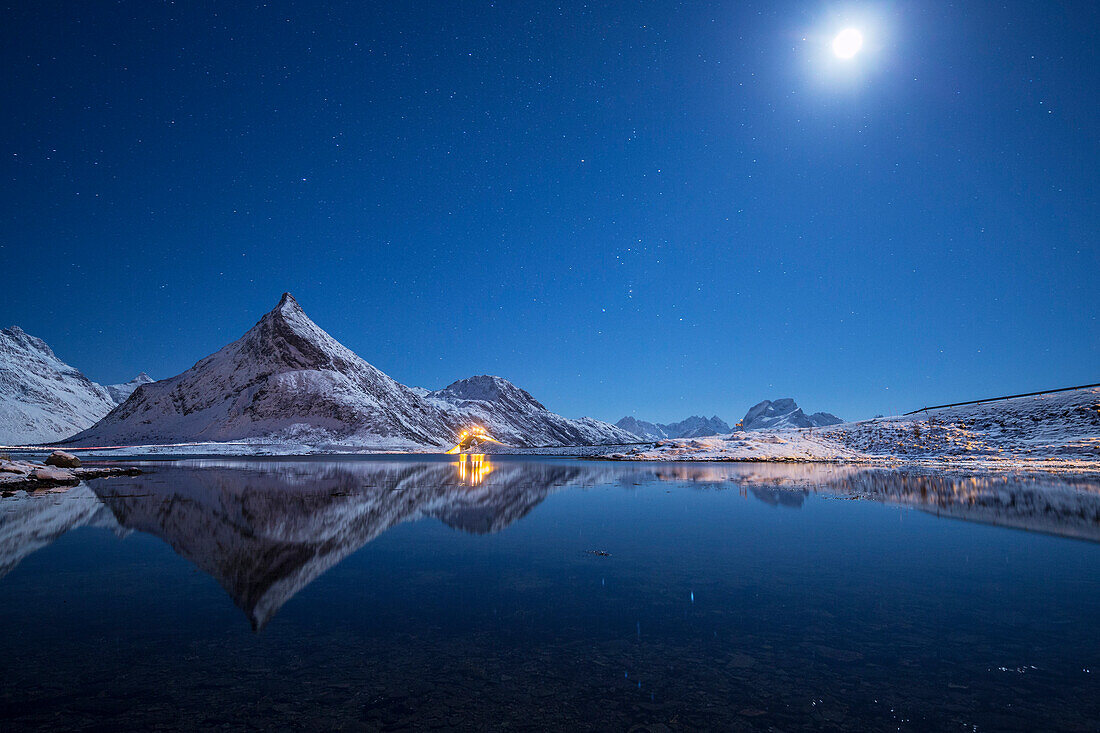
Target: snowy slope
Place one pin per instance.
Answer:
(286, 380)
(1055, 427)
(695, 426)
(513, 416)
(43, 399)
(121, 392)
(784, 413)
(1052, 424)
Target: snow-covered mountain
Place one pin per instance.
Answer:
(784, 413)
(43, 399)
(513, 416)
(286, 379)
(120, 392)
(695, 426)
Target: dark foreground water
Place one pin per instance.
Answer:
(534, 595)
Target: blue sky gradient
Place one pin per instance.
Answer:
(651, 208)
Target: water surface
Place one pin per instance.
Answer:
(390, 594)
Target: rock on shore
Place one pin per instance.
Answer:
(60, 470)
(61, 459)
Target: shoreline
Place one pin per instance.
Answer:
(1076, 465)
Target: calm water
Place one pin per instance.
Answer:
(523, 595)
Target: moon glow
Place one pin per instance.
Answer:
(847, 43)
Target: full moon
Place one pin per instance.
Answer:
(847, 43)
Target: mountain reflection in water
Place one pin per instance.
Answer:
(266, 529)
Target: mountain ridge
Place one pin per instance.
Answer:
(286, 378)
(695, 426)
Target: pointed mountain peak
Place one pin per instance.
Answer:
(288, 307)
(288, 337)
(288, 314)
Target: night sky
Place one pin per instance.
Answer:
(650, 208)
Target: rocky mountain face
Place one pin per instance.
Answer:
(695, 426)
(784, 413)
(286, 379)
(43, 399)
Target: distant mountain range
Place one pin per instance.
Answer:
(43, 399)
(767, 415)
(695, 426)
(287, 380)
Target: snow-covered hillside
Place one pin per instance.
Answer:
(42, 398)
(286, 380)
(695, 426)
(784, 413)
(1053, 427)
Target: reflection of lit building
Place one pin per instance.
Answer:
(474, 437)
(473, 468)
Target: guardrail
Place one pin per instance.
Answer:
(1006, 397)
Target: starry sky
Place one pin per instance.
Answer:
(649, 208)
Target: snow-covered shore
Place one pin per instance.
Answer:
(1048, 431)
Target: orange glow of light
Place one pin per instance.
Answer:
(473, 468)
(473, 437)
